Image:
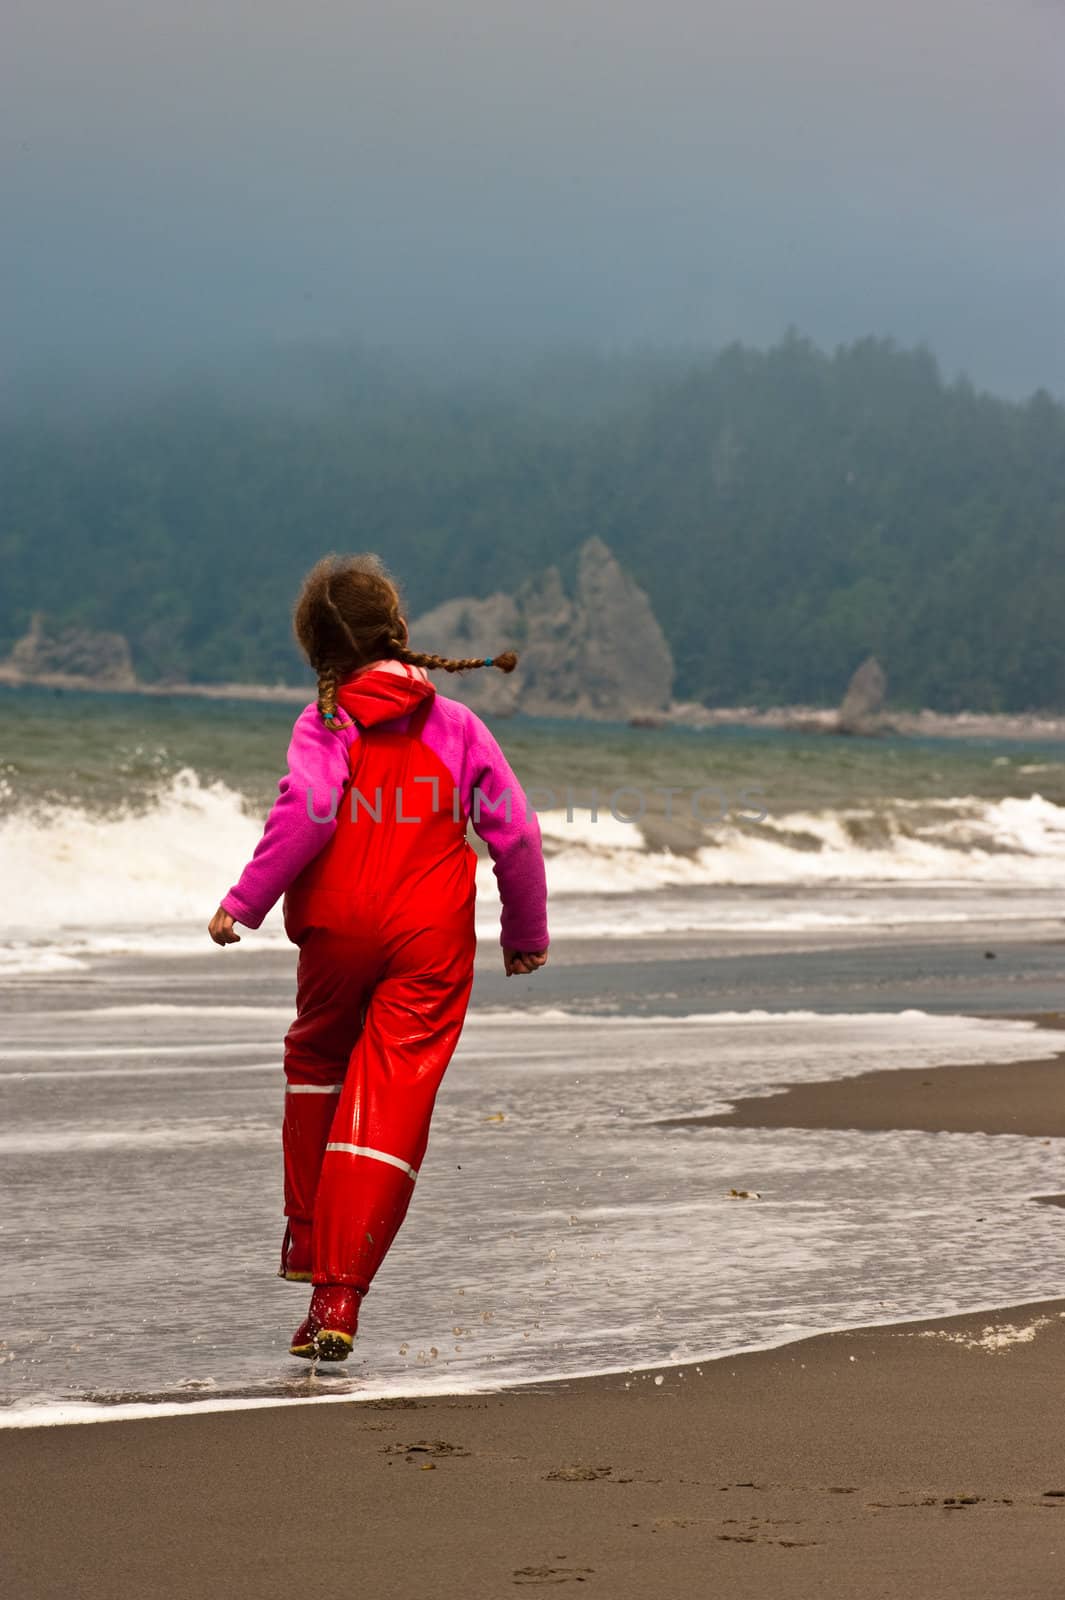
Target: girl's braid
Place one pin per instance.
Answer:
(328, 674)
(328, 683)
(349, 615)
(424, 658)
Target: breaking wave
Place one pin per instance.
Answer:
(145, 879)
(954, 841)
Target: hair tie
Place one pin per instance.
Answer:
(488, 661)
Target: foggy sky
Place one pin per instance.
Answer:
(178, 176)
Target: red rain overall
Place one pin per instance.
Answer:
(384, 921)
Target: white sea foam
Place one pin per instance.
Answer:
(167, 1137)
(949, 1025)
(131, 1074)
(81, 886)
(210, 1047)
(751, 1052)
(48, 1413)
(28, 960)
(1014, 841)
(189, 1011)
(63, 865)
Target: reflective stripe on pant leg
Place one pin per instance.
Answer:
(376, 1155)
(381, 1128)
(330, 995)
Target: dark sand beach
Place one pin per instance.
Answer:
(920, 1460)
(1023, 1097)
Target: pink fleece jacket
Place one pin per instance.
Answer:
(318, 769)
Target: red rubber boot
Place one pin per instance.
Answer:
(327, 1332)
(296, 1252)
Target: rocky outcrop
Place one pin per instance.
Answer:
(862, 711)
(49, 651)
(598, 652)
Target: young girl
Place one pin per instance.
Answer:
(367, 841)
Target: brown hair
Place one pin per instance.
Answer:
(349, 613)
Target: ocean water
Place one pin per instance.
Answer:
(123, 820)
(558, 1227)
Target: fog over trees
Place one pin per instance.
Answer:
(788, 510)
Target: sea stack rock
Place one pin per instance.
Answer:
(862, 711)
(53, 650)
(598, 652)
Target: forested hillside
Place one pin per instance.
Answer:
(788, 512)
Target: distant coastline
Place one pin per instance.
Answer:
(278, 692)
(799, 718)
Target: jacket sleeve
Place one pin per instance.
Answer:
(302, 819)
(503, 818)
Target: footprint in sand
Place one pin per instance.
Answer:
(425, 1447)
(552, 1574)
(754, 1538)
(577, 1474)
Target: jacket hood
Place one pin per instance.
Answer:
(384, 690)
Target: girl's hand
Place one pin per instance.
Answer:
(220, 928)
(522, 961)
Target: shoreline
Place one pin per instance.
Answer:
(918, 1458)
(905, 1458)
(281, 693)
(1019, 1098)
(84, 1414)
(818, 720)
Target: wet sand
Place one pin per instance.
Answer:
(1025, 1097)
(921, 1460)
